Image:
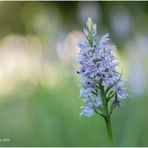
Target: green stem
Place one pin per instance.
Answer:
(109, 130)
(106, 114)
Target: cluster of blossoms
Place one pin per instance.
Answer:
(101, 83)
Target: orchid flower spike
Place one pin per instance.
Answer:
(101, 85)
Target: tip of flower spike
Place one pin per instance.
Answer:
(89, 24)
(90, 31)
(89, 19)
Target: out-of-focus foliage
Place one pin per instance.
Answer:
(39, 89)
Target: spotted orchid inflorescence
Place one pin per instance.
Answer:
(101, 85)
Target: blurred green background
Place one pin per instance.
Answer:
(39, 88)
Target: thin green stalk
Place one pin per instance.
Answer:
(107, 116)
(109, 130)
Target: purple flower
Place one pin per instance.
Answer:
(98, 75)
(87, 111)
(121, 93)
(106, 81)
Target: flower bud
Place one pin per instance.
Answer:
(89, 24)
